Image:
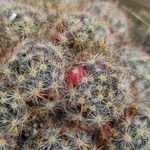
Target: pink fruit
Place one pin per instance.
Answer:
(75, 75)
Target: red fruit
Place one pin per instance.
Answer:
(105, 131)
(75, 75)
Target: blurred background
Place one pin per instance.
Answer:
(139, 12)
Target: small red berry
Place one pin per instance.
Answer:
(105, 131)
(75, 75)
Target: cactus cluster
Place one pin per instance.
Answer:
(67, 87)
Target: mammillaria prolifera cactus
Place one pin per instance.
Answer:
(67, 87)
